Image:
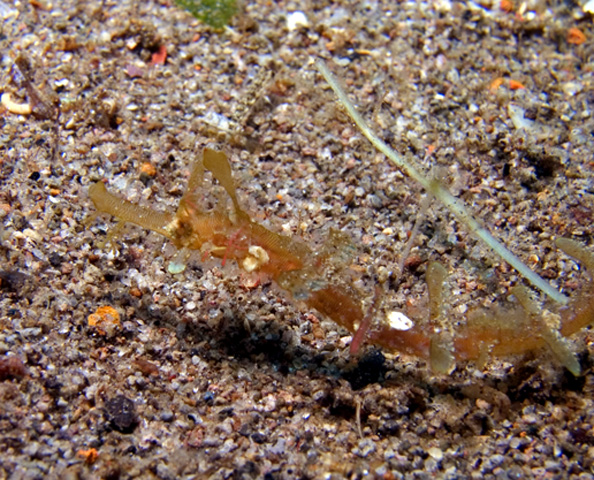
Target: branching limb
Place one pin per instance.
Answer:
(453, 204)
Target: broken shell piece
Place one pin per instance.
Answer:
(105, 320)
(178, 263)
(13, 107)
(257, 257)
(399, 321)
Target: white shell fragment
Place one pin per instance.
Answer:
(7, 10)
(296, 20)
(516, 114)
(399, 321)
(13, 107)
(589, 7)
(257, 257)
(218, 121)
(176, 268)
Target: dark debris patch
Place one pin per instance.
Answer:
(263, 345)
(12, 281)
(121, 413)
(531, 383)
(55, 259)
(370, 369)
(545, 165)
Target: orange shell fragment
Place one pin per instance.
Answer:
(148, 169)
(105, 320)
(89, 456)
(515, 85)
(575, 36)
(495, 84)
(506, 5)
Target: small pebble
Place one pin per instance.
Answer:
(296, 20)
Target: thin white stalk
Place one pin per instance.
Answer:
(453, 204)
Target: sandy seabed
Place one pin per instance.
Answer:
(212, 374)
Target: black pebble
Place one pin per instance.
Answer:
(121, 414)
